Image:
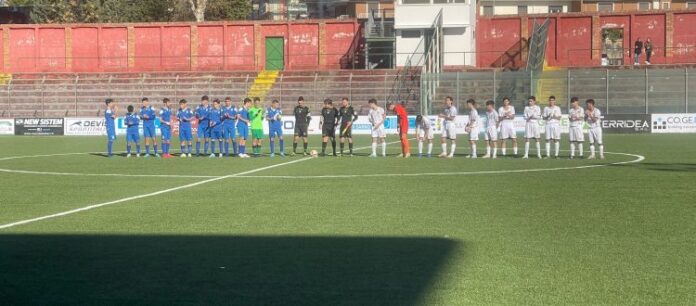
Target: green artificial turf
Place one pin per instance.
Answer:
(351, 230)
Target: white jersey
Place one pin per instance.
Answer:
(552, 114)
(491, 120)
(450, 112)
(507, 116)
(473, 118)
(594, 119)
(376, 115)
(532, 113)
(576, 116)
(425, 124)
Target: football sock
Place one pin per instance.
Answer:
(205, 147)
(374, 148)
(526, 148)
(580, 149)
(198, 147)
(495, 151)
(189, 148)
(128, 149)
(488, 150)
(282, 146)
(538, 147)
(454, 146)
(557, 146)
(350, 147)
(420, 147)
(504, 150)
(514, 150)
(212, 147)
(109, 147)
(294, 147)
(444, 148)
(183, 149)
(137, 148)
(384, 148)
(333, 145)
(155, 146)
(235, 147)
(592, 150)
(430, 148)
(473, 150)
(272, 145)
(548, 149)
(341, 146)
(305, 145)
(220, 144)
(572, 149)
(601, 150)
(147, 149)
(323, 147)
(227, 148)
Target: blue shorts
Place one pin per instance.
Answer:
(203, 130)
(228, 132)
(149, 131)
(133, 137)
(243, 131)
(185, 135)
(273, 132)
(166, 134)
(216, 134)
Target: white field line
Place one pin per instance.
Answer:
(146, 195)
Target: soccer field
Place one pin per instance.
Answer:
(79, 228)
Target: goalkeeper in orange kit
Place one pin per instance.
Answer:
(402, 120)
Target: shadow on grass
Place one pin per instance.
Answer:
(669, 167)
(246, 270)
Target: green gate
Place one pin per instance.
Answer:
(275, 55)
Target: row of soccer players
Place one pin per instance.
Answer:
(500, 128)
(221, 126)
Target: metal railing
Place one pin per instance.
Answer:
(616, 91)
(71, 95)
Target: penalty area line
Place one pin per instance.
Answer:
(146, 195)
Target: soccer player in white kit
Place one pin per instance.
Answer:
(552, 115)
(506, 114)
(532, 114)
(449, 130)
(424, 132)
(377, 117)
(576, 116)
(491, 135)
(594, 118)
(472, 126)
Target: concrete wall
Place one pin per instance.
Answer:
(575, 39)
(313, 44)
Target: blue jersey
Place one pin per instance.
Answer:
(202, 115)
(243, 113)
(132, 123)
(185, 116)
(228, 116)
(165, 117)
(215, 118)
(147, 114)
(110, 122)
(274, 118)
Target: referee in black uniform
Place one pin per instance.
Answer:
(347, 116)
(302, 118)
(329, 120)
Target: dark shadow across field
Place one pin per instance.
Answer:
(241, 270)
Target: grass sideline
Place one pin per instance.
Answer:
(616, 234)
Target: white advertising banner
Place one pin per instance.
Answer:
(6, 126)
(673, 123)
(86, 126)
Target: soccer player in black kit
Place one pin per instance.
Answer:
(329, 120)
(302, 118)
(347, 115)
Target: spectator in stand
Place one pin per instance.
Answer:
(648, 50)
(638, 49)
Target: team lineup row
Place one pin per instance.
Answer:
(221, 126)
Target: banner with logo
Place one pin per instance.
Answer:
(673, 123)
(38, 126)
(626, 124)
(87, 126)
(6, 126)
(121, 126)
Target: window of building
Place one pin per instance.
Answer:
(605, 7)
(410, 33)
(415, 1)
(487, 10)
(521, 9)
(555, 9)
(691, 5)
(643, 6)
(665, 5)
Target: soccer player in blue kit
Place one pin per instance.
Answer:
(110, 116)
(229, 120)
(203, 126)
(132, 122)
(166, 127)
(243, 120)
(148, 115)
(275, 127)
(185, 116)
(215, 122)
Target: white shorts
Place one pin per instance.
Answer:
(474, 134)
(429, 135)
(507, 131)
(379, 132)
(449, 131)
(553, 131)
(595, 135)
(531, 130)
(575, 134)
(491, 134)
